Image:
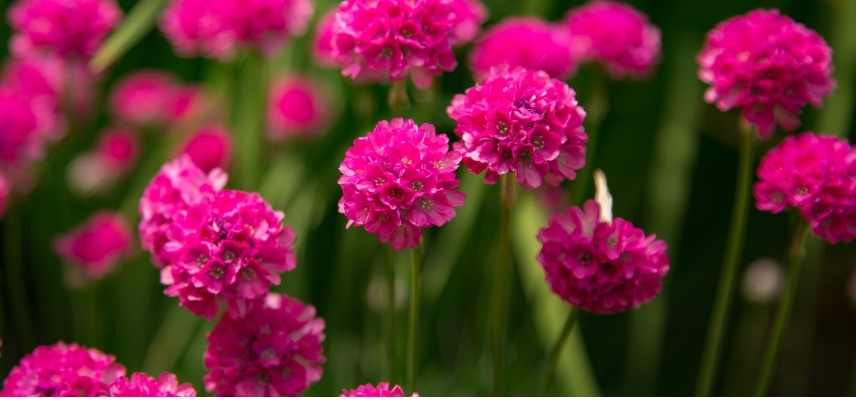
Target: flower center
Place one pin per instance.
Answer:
(416, 185)
(228, 255)
(502, 128)
(216, 272)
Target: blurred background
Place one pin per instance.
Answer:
(671, 163)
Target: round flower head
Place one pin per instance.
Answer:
(71, 29)
(53, 83)
(4, 195)
(391, 39)
(399, 179)
(96, 246)
(296, 107)
(273, 350)
(524, 42)
(210, 148)
(322, 45)
(615, 35)
(100, 169)
(63, 370)
(231, 248)
(768, 66)
(144, 98)
(27, 125)
(523, 122)
(467, 19)
(118, 149)
(142, 385)
(382, 389)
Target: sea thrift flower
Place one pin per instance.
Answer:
(274, 350)
(615, 35)
(97, 245)
(98, 170)
(524, 42)
(26, 127)
(400, 179)
(118, 149)
(144, 98)
(322, 45)
(768, 66)
(210, 148)
(142, 385)
(296, 107)
(523, 122)
(382, 389)
(53, 83)
(63, 370)
(468, 15)
(71, 29)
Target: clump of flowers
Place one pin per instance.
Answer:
(398, 180)
(97, 245)
(615, 35)
(525, 42)
(275, 349)
(63, 370)
(296, 108)
(52, 83)
(468, 16)
(523, 122)
(383, 389)
(210, 148)
(768, 66)
(816, 175)
(115, 154)
(142, 385)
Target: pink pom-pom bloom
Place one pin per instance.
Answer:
(145, 98)
(524, 42)
(398, 180)
(71, 29)
(63, 370)
(468, 15)
(274, 350)
(210, 148)
(615, 35)
(115, 154)
(768, 66)
(815, 175)
(523, 122)
(217, 28)
(97, 245)
(296, 108)
(57, 84)
(322, 45)
(383, 389)
(142, 385)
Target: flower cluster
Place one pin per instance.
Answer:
(273, 350)
(512, 43)
(142, 385)
(768, 66)
(400, 179)
(114, 155)
(382, 389)
(97, 245)
(152, 98)
(523, 122)
(63, 370)
(468, 16)
(296, 108)
(210, 148)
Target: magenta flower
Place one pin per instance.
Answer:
(5, 193)
(400, 179)
(71, 29)
(768, 66)
(296, 108)
(63, 370)
(210, 148)
(524, 42)
(383, 389)
(53, 83)
(273, 350)
(118, 149)
(144, 98)
(615, 35)
(322, 44)
(142, 385)
(523, 122)
(27, 125)
(468, 18)
(97, 245)
(115, 154)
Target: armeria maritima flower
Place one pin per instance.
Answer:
(63, 370)
(524, 42)
(210, 148)
(468, 16)
(322, 44)
(296, 108)
(27, 126)
(816, 175)
(399, 179)
(97, 170)
(96, 246)
(768, 66)
(615, 35)
(383, 389)
(274, 350)
(523, 122)
(142, 385)
(145, 98)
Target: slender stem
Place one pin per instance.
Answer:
(415, 282)
(250, 97)
(398, 99)
(141, 19)
(733, 252)
(796, 254)
(553, 362)
(87, 325)
(390, 314)
(597, 109)
(499, 305)
(16, 285)
(171, 340)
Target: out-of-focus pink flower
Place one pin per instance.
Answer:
(615, 35)
(142, 385)
(524, 42)
(71, 29)
(27, 125)
(53, 83)
(4, 195)
(768, 66)
(273, 350)
(296, 108)
(97, 245)
(398, 180)
(144, 98)
(118, 148)
(523, 122)
(210, 148)
(383, 389)
(188, 102)
(63, 370)
(100, 169)
(322, 47)
(468, 18)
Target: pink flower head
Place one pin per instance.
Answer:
(187, 103)
(383, 389)
(115, 154)
(598, 265)
(322, 47)
(468, 18)
(768, 66)
(71, 29)
(391, 39)
(27, 125)
(273, 350)
(63, 370)
(233, 247)
(118, 149)
(524, 42)
(210, 148)
(615, 35)
(398, 180)
(144, 98)
(142, 385)
(97, 245)
(296, 107)
(179, 185)
(54, 83)
(816, 175)
(523, 122)
(4, 195)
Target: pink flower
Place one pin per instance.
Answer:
(71, 29)
(523, 122)
(274, 350)
(63, 370)
(27, 125)
(399, 179)
(187, 103)
(296, 107)
(54, 83)
(4, 195)
(210, 148)
(232, 247)
(142, 385)
(615, 35)
(115, 154)
(601, 266)
(524, 42)
(383, 389)
(322, 45)
(96, 246)
(816, 175)
(144, 98)
(118, 149)
(768, 66)
(391, 40)
(468, 17)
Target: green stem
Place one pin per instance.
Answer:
(171, 340)
(390, 314)
(139, 21)
(415, 282)
(796, 254)
(398, 99)
(16, 285)
(250, 97)
(553, 362)
(733, 252)
(87, 326)
(499, 304)
(597, 109)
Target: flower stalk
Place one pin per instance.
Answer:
(552, 366)
(412, 339)
(502, 275)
